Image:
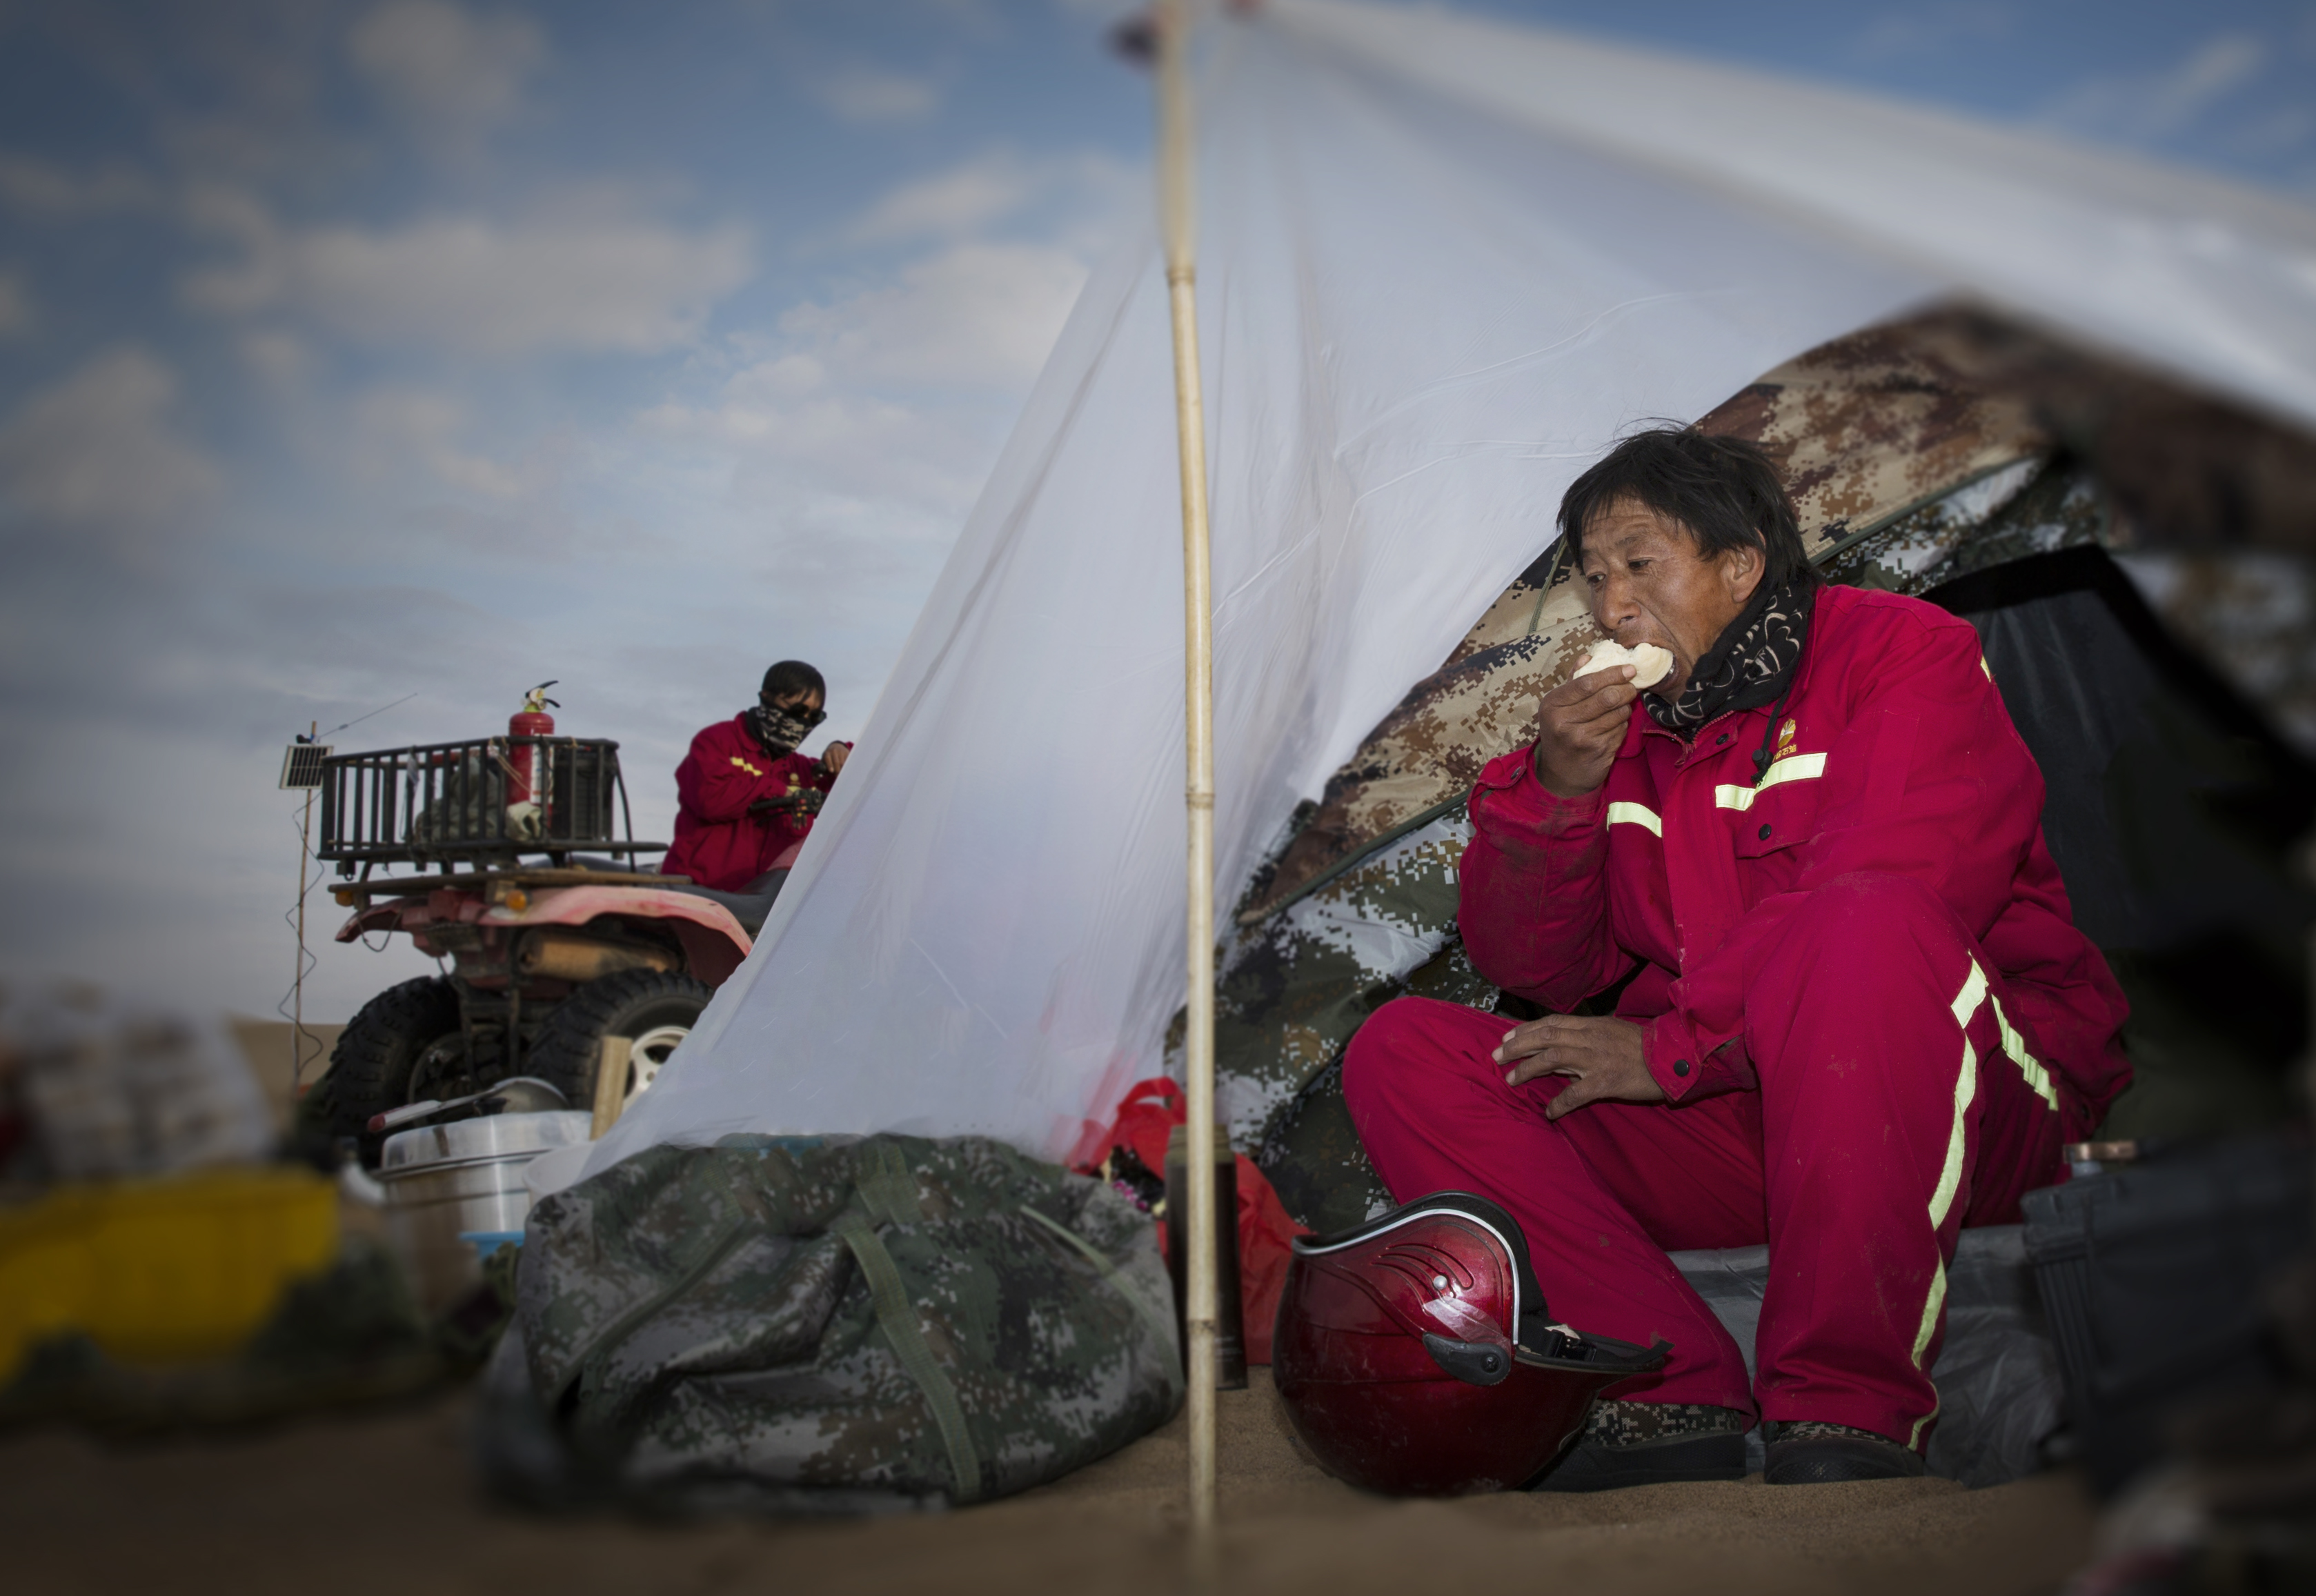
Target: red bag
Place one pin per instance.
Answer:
(1265, 1234)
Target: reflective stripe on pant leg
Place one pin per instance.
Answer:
(1974, 991)
(1942, 1198)
(2038, 1079)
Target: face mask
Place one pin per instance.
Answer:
(781, 730)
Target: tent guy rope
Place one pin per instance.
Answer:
(1178, 228)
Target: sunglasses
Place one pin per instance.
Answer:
(810, 717)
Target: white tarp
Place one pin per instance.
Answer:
(1442, 263)
(2177, 269)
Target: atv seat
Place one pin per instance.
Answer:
(748, 907)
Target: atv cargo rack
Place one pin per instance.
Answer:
(482, 803)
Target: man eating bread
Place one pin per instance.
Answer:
(1802, 971)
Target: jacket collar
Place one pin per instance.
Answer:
(1734, 719)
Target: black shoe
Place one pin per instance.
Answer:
(1828, 1454)
(1596, 1465)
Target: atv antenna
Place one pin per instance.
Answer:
(1177, 226)
(301, 771)
(358, 718)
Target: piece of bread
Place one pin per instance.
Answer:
(1649, 663)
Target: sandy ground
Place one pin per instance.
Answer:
(385, 1504)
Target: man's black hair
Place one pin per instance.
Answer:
(790, 678)
(1725, 490)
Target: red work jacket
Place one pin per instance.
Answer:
(1893, 753)
(719, 841)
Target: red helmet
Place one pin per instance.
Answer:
(1416, 1356)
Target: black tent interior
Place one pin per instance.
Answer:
(2173, 810)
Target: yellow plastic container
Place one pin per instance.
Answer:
(162, 1270)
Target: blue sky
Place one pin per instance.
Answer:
(352, 351)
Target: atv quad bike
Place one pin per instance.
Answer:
(499, 858)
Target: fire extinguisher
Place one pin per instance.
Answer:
(527, 797)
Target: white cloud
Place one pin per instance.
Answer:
(396, 428)
(2185, 93)
(961, 200)
(1931, 31)
(864, 422)
(822, 459)
(99, 451)
(1084, 194)
(279, 357)
(257, 279)
(474, 284)
(2283, 129)
(41, 187)
(15, 305)
(2157, 105)
(866, 94)
(634, 287)
(455, 75)
(858, 440)
(858, 448)
(972, 315)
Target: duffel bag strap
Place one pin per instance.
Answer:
(888, 1187)
(1160, 1325)
(897, 1316)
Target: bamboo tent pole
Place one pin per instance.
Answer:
(1178, 228)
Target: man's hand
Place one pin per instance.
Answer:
(1579, 728)
(1604, 1060)
(834, 757)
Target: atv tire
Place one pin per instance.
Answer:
(652, 1007)
(369, 1070)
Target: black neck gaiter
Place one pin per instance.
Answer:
(777, 731)
(1747, 667)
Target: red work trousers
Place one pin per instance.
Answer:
(1897, 1102)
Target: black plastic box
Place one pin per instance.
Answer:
(2151, 1277)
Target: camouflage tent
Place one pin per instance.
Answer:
(1923, 455)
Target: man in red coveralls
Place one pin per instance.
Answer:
(746, 797)
(1851, 1011)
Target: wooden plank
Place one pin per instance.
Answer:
(611, 1082)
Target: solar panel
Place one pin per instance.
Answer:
(301, 766)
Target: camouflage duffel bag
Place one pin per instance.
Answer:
(799, 1325)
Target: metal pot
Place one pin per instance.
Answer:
(454, 1193)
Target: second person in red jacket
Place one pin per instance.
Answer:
(745, 793)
